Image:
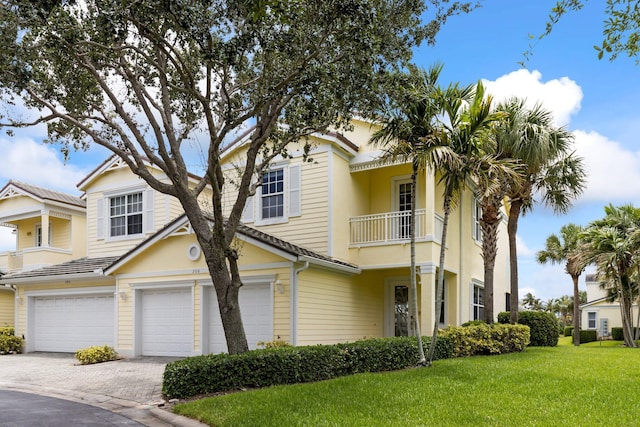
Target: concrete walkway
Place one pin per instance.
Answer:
(130, 387)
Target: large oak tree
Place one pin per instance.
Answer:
(147, 78)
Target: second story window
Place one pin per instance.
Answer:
(125, 215)
(272, 196)
(477, 216)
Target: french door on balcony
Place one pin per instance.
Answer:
(403, 204)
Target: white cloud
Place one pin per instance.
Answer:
(523, 249)
(561, 96)
(613, 171)
(39, 164)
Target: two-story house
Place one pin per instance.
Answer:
(598, 313)
(324, 257)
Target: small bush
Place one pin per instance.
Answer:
(289, 365)
(10, 344)
(504, 317)
(568, 330)
(617, 334)
(96, 354)
(273, 344)
(8, 331)
(588, 336)
(543, 326)
(473, 322)
(487, 339)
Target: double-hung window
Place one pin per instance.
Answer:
(477, 216)
(478, 302)
(125, 215)
(272, 196)
(591, 320)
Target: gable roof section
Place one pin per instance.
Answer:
(41, 194)
(334, 137)
(266, 241)
(83, 267)
(112, 163)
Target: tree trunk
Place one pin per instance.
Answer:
(512, 229)
(489, 224)
(440, 281)
(576, 310)
(413, 299)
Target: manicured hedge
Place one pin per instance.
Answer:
(504, 317)
(288, 365)
(568, 331)
(544, 327)
(477, 339)
(617, 333)
(588, 336)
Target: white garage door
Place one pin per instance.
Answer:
(69, 323)
(256, 307)
(167, 322)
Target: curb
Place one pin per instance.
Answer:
(146, 414)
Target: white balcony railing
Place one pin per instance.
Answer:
(391, 227)
(15, 261)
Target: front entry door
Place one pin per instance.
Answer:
(397, 309)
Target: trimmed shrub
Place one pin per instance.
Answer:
(543, 328)
(487, 339)
(10, 344)
(96, 354)
(588, 336)
(288, 365)
(617, 334)
(473, 322)
(568, 330)
(273, 344)
(504, 317)
(8, 331)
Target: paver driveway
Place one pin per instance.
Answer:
(129, 387)
(137, 379)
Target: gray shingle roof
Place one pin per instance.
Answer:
(46, 194)
(78, 266)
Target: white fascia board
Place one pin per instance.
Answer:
(60, 278)
(269, 248)
(329, 265)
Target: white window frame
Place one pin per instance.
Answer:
(37, 232)
(126, 215)
(476, 213)
(282, 193)
(103, 212)
(292, 197)
(476, 306)
(594, 320)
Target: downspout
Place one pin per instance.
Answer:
(294, 301)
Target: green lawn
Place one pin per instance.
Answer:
(585, 386)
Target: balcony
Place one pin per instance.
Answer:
(392, 227)
(32, 258)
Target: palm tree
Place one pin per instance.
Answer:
(549, 168)
(563, 249)
(412, 133)
(565, 306)
(530, 301)
(612, 244)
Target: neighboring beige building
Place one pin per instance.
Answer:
(324, 257)
(598, 313)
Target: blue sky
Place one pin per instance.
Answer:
(595, 99)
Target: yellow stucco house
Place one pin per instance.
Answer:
(324, 257)
(598, 313)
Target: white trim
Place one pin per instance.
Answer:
(329, 265)
(60, 278)
(260, 278)
(330, 203)
(265, 266)
(428, 268)
(96, 290)
(193, 252)
(395, 183)
(295, 272)
(164, 285)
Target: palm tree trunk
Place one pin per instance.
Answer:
(576, 310)
(489, 224)
(413, 299)
(440, 281)
(512, 229)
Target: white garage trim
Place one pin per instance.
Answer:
(184, 322)
(72, 292)
(263, 284)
